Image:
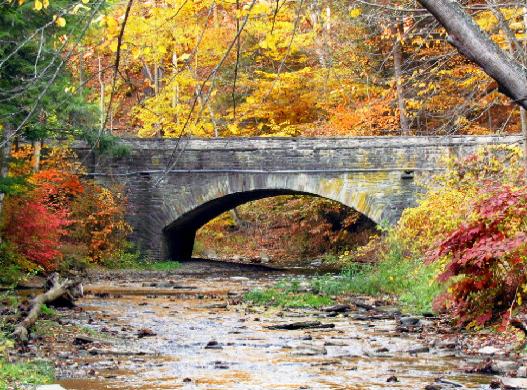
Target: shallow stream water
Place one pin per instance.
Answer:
(188, 309)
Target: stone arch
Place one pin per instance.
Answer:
(199, 206)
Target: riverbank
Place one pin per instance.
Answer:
(191, 328)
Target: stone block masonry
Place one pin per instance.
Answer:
(176, 186)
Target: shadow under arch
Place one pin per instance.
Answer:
(179, 236)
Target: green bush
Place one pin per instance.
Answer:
(127, 258)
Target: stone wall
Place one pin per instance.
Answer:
(174, 187)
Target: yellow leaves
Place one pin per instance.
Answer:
(113, 46)
(355, 13)
(413, 104)
(38, 5)
(60, 21)
(161, 49)
(5, 344)
(184, 56)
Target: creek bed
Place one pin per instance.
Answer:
(197, 335)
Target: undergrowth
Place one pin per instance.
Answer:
(278, 297)
(410, 281)
(16, 375)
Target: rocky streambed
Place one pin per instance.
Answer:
(190, 329)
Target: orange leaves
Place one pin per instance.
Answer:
(99, 221)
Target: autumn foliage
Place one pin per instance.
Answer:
(486, 258)
(59, 215)
(472, 223)
(35, 227)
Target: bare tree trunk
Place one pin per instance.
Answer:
(81, 72)
(156, 79)
(397, 67)
(37, 151)
(523, 119)
(213, 119)
(101, 96)
(237, 219)
(5, 153)
(517, 52)
(476, 45)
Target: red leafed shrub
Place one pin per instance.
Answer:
(486, 258)
(36, 221)
(35, 229)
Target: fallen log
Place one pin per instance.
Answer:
(301, 325)
(56, 289)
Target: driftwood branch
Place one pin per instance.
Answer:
(56, 290)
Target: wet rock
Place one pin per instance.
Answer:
(443, 384)
(213, 344)
(239, 278)
(393, 310)
(301, 325)
(417, 350)
(484, 367)
(145, 332)
(361, 317)
(310, 350)
(221, 365)
(187, 380)
(364, 306)
(337, 308)
(409, 321)
(489, 350)
(83, 340)
(433, 387)
(222, 305)
(335, 344)
(393, 378)
(513, 383)
(449, 383)
(307, 337)
(503, 367)
(446, 344)
(382, 350)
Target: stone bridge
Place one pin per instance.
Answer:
(175, 187)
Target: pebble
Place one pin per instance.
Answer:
(213, 344)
